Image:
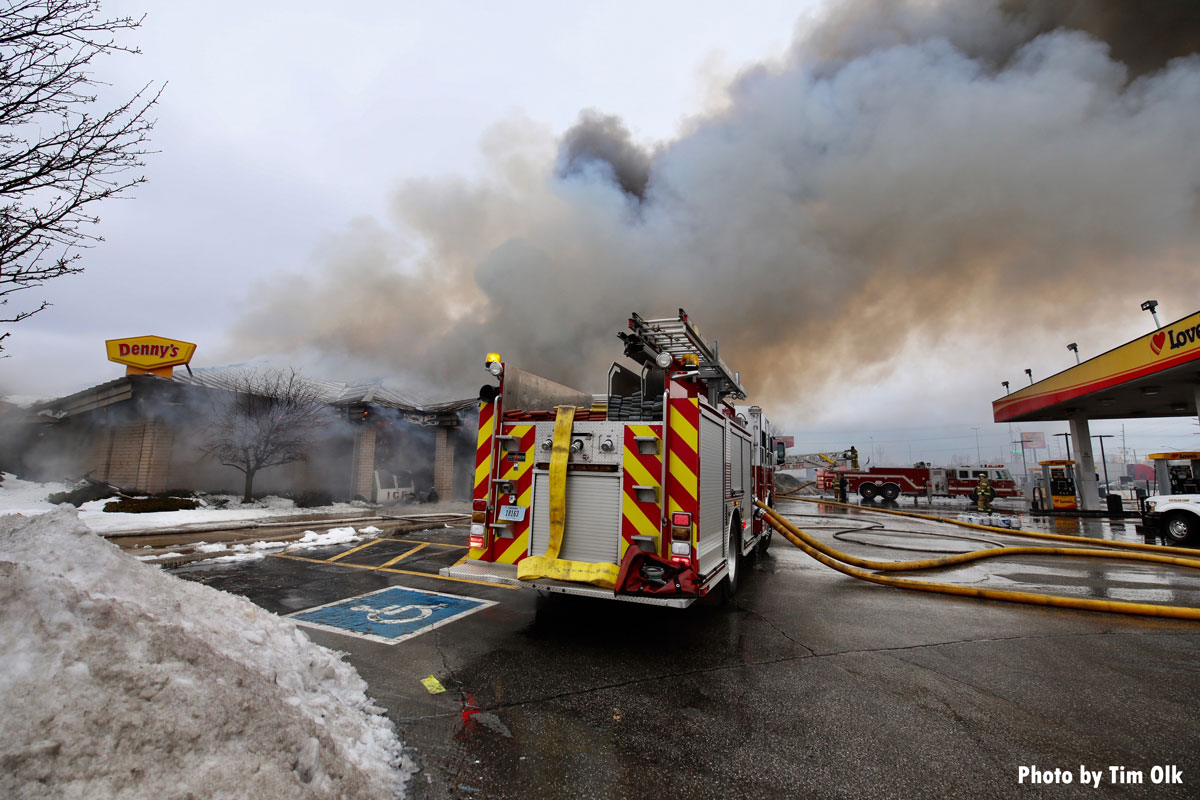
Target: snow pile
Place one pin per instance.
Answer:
(312, 539)
(29, 498)
(117, 679)
(253, 551)
(26, 497)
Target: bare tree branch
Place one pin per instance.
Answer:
(57, 158)
(269, 418)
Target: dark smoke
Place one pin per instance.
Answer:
(1143, 36)
(599, 140)
(957, 179)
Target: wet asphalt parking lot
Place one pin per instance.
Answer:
(811, 684)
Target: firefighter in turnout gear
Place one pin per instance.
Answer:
(983, 494)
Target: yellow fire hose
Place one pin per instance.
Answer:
(1056, 537)
(833, 559)
(550, 565)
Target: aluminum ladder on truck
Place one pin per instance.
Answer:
(679, 338)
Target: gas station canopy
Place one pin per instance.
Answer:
(1156, 375)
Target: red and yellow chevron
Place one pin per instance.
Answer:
(683, 447)
(641, 517)
(483, 462)
(516, 466)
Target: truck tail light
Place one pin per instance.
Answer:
(681, 527)
(479, 505)
(478, 537)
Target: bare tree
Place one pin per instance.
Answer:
(269, 418)
(58, 158)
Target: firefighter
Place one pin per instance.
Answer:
(853, 458)
(984, 493)
(842, 483)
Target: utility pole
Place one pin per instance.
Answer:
(978, 457)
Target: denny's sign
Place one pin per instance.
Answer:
(154, 354)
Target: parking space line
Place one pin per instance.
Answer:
(432, 544)
(394, 571)
(404, 555)
(345, 553)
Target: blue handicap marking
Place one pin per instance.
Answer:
(390, 615)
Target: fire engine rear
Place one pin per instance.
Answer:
(644, 494)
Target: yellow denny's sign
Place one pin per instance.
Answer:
(149, 354)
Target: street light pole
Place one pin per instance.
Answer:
(1103, 460)
(978, 457)
(1066, 442)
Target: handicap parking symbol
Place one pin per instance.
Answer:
(390, 615)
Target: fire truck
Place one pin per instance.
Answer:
(644, 493)
(920, 480)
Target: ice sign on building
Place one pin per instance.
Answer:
(390, 615)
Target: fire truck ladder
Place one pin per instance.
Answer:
(679, 338)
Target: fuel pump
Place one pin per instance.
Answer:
(1058, 476)
(1176, 478)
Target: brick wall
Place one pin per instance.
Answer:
(443, 464)
(139, 456)
(362, 463)
(125, 454)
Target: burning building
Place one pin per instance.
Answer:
(152, 433)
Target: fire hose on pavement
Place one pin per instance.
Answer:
(1055, 537)
(850, 565)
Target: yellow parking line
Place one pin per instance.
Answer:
(395, 571)
(404, 555)
(432, 544)
(354, 550)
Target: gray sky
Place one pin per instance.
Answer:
(304, 148)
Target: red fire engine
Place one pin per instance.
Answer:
(919, 480)
(644, 494)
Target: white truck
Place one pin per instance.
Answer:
(1174, 517)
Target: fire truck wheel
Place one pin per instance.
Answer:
(1180, 527)
(890, 491)
(868, 491)
(733, 548)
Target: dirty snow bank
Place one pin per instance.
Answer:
(117, 679)
(255, 551)
(28, 498)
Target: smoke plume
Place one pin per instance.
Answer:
(911, 172)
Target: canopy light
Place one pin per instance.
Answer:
(664, 360)
(495, 367)
(1151, 305)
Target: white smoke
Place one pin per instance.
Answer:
(910, 169)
